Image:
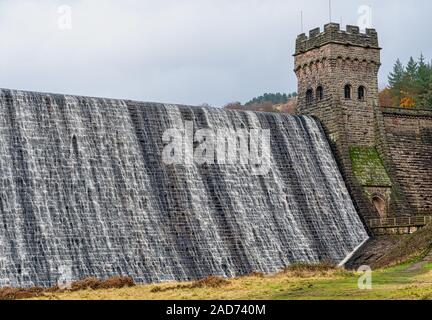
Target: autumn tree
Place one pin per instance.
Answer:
(411, 86)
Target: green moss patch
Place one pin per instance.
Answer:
(368, 167)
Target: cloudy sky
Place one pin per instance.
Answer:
(184, 51)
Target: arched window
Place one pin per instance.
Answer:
(309, 96)
(361, 93)
(347, 91)
(380, 205)
(320, 93)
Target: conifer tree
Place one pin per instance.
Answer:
(411, 86)
(411, 69)
(396, 82)
(425, 99)
(424, 82)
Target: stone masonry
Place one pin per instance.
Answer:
(385, 155)
(406, 144)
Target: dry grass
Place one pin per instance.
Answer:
(394, 283)
(17, 293)
(253, 286)
(305, 267)
(256, 274)
(303, 270)
(209, 282)
(300, 281)
(86, 284)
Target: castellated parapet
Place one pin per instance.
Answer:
(333, 34)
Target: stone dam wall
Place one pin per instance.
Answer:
(405, 139)
(84, 192)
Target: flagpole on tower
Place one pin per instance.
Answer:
(330, 10)
(301, 20)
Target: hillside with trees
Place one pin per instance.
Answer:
(274, 98)
(410, 86)
(268, 102)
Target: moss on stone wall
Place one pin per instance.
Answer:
(368, 167)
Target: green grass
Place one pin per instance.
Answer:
(395, 283)
(428, 266)
(392, 283)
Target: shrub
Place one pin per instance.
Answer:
(85, 284)
(20, 293)
(210, 282)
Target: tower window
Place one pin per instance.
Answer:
(347, 91)
(309, 96)
(320, 93)
(361, 93)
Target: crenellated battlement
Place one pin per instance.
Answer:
(333, 34)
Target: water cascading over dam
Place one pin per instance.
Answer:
(84, 192)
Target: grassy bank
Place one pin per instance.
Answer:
(401, 282)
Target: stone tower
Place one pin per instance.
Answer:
(337, 75)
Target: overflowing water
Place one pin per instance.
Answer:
(84, 192)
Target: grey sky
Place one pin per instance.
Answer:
(184, 51)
